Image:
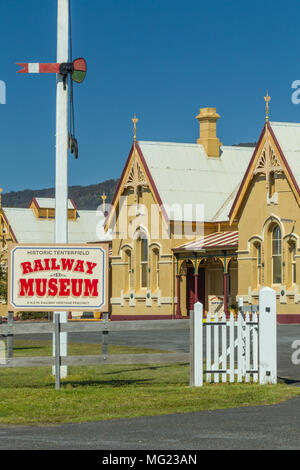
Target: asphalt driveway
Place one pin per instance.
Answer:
(262, 427)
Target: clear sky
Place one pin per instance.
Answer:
(160, 59)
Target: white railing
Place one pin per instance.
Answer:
(235, 350)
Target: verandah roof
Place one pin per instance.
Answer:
(224, 240)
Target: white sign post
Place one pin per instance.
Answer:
(267, 336)
(196, 346)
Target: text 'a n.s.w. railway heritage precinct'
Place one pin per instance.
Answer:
(48, 278)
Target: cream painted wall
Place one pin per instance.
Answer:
(256, 217)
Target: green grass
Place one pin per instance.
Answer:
(26, 348)
(94, 393)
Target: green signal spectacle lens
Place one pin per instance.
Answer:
(79, 72)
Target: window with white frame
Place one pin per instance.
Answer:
(143, 243)
(258, 262)
(128, 279)
(155, 269)
(276, 255)
(292, 249)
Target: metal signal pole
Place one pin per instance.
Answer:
(61, 171)
(61, 186)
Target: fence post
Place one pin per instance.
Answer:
(240, 308)
(57, 350)
(105, 335)
(10, 336)
(267, 336)
(196, 346)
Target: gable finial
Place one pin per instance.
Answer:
(267, 100)
(135, 121)
(103, 201)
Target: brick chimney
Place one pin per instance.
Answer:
(207, 118)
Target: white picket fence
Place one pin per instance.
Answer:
(235, 350)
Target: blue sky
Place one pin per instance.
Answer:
(160, 59)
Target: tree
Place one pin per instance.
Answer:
(3, 277)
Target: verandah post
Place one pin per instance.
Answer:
(178, 309)
(196, 346)
(267, 336)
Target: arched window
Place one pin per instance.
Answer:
(155, 269)
(258, 262)
(276, 255)
(128, 270)
(292, 251)
(143, 248)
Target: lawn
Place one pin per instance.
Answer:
(94, 393)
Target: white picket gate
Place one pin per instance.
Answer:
(235, 349)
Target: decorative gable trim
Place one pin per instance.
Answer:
(137, 175)
(290, 175)
(8, 226)
(266, 163)
(239, 196)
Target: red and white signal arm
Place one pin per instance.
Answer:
(58, 277)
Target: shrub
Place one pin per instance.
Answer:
(33, 315)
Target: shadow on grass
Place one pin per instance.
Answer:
(102, 383)
(152, 367)
(290, 381)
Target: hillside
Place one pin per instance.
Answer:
(85, 197)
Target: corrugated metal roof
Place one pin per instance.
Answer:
(288, 136)
(88, 227)
(214, 240)
(184, 175)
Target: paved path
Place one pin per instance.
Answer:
(260, 427)
(263, 427)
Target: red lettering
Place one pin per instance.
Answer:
(58, 287)
(67, 264)
(38, 265)
(64, 285)
(27, 267)
(26, 287)
(47, 264)
(40, 287)
(90, 266)
(91, 287)
(79, 266)
(76, 287)
(53, 264)
(52, 287)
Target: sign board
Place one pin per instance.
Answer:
(58, 277)
(216, 305)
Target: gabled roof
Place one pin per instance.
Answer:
(286, 137)
(27, 228)
(49, 203)
(181, 173)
